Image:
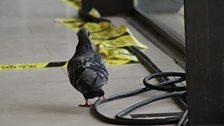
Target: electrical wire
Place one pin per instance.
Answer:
(153, 68)
(184, 120)
(154, 121)
(165, 85)
(167, 82)
(119, 119)
(100, 116)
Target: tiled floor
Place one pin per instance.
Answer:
(45, 97)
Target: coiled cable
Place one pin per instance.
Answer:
(165, 85)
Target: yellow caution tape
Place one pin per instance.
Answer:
(75, 24)
(68, 20)
(123, 41)
(76, 4)
(22, 66)
(111, 32)
(109, 38)
(101, 32)
(42, 65)
(71, 23)
(96, 27)
(117, 61)
(117, 53)
(106, 35)
(116, 37)
(94, 13)
(32, 66)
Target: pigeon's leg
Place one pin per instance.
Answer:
(87, 104)
(100, 98)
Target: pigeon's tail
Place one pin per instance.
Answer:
(88, 94)
(89, 83)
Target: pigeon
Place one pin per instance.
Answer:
(86, 69)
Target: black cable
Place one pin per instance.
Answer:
(100, 116)
(155, 121)
(125, 121)
(183, 121)
(150, 66)
(167, 82)
(153, 68)
(165, 85)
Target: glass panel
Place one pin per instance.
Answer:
(168, 15)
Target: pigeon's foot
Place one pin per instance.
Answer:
(87, 104)
(100, 98)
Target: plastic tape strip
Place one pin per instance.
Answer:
(104, 33)
(93, 12)
(75, 24)
(76, 4)
(68, 20)
(123, 41)
(117, 61)
(96, 27)
(9, 67)
(32, 66)
(109, 33)
(116, 53)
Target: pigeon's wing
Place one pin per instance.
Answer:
(98, 66)
(92, 78)
(74, 68)
(100, 63)
(100, 80)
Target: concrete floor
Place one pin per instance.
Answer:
(45, 97)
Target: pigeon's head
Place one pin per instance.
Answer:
(84, 41)
(83, 32)
(93, 93)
